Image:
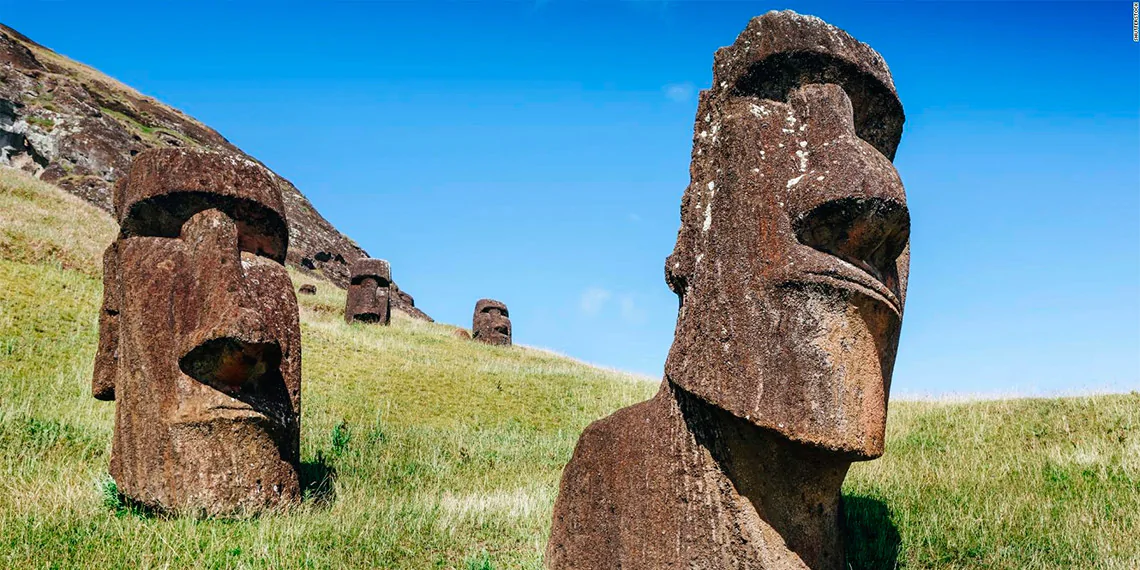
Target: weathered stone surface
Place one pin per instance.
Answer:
(200, 342)
(491, 323)
(461, 333)
(369, 299)
(790, 267)
(79, 129)
(307, 289)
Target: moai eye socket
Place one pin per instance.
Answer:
(869, 233)
(164, 188)
(877, 114)
(261, 231)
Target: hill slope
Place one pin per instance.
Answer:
(72, 126)
(447, 454)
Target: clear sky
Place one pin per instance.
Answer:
(536, 153)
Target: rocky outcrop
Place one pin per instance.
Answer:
(72, 126)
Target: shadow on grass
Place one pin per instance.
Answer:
(318, 481)
(871, 537)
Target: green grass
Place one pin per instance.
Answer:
(44, 122)
(427, 451)
(146, 131)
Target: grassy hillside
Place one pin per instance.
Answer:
(425, 451)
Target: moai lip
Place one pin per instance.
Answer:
(369, 296)
(791, 269)
(199, 337)
(491, 323)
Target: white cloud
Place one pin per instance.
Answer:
(679, 92)
(593, 299)
(630, 312)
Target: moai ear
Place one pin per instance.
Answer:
(107, 356)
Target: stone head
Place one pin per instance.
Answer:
(791, 260)
(491, 323)
(369, 299)
(199, 335)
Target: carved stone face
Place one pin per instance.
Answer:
(200, 338)
(369, 295)
(791, 261)
(491, 323)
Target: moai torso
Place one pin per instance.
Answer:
(199, 337)
(790, 267)
(369, 299)
(491, 323)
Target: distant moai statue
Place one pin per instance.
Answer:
(307, 289)
(491, 323)
(791, 268)
(199, 337)
(369, 299)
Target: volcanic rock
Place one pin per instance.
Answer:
(369, 299)
(491, 323)
(790, 267)
(199, 337)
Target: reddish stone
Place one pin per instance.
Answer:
(200, 342)
(790, 267)
(491, 323)
(369, 299)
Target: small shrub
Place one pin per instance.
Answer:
(111, 498)
(480, 561)
(341, 436)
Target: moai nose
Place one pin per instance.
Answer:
(824, 108)
(224, 342)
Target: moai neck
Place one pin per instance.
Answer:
(794, 488)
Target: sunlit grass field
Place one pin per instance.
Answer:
(422, 450)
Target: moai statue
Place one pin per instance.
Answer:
(368, 299)
(491, 323)
(307, 289)
(790, 268)
(199, 338)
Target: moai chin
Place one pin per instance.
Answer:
(369, 299)
(790, 267)
(491, 323)
(199, 337)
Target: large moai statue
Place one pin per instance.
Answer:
(199, 337)
(491, 323)
(369, 299)
(790, 267)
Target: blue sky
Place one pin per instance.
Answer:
(537, 152)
